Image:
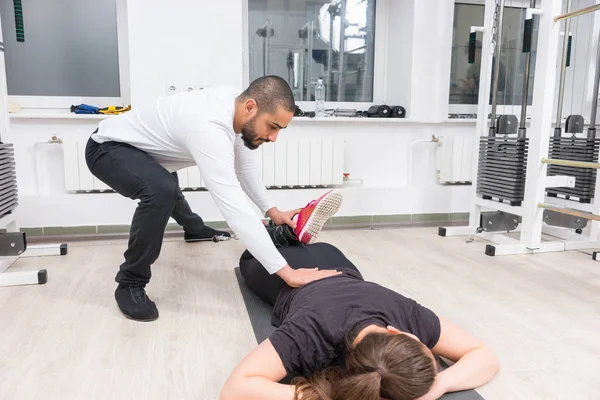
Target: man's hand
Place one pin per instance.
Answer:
(302, 276)
(282, 217)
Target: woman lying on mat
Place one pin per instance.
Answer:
(344, 338)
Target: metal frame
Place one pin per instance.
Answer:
(523, 121)
(536, 201)
(9, 221)
(570, 163)
(563, 72)
(35, 277)
(498, 52)
(569, 211)
(577, 13)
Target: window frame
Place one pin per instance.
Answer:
(379, 66)
(472, 108)
(65, 102)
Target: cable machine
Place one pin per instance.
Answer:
(503, 153)
(571, 147)
(552, 164)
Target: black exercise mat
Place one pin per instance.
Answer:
(260, 318)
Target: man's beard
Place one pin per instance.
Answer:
(249, 135)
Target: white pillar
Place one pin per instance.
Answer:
(483, 107)
(431, 58)
(541, 123)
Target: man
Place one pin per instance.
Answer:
(138, 153)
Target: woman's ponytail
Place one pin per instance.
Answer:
(332, 384)
(365, 386)
(320, 386)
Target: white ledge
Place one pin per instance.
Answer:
(55, 114)
(316, 120)
(67, 115)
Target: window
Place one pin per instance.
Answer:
(303, 40)
(70, 52)
(464, 77)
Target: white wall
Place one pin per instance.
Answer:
(432, 54)
(376, 153)
(185, 42)
(400, 23)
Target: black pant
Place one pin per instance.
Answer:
(266, 286)
(136, 175)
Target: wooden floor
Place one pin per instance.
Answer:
(68, 340)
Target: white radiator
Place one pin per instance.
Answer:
(288, 163)
(454, 159)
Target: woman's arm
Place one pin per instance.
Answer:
(475, 364)
(256, 377)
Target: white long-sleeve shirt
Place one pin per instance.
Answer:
(196, 128)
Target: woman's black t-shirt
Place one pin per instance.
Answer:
(316, 321)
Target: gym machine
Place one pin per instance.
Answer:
(530, 200)
(503, 158)
(503, 151)
(13, 243)
(579, 149)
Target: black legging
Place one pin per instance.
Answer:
(267, 286)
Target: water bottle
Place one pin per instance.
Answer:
(320, 98)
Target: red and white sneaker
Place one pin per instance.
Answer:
(312, 217)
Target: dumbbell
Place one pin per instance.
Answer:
(384, 111)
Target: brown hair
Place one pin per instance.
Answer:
(382, 365)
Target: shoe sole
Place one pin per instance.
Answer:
(327, 207)
(135, 319)
(139, 320)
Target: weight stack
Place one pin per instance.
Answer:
(574, 149)
(502, 168)
(8, 180)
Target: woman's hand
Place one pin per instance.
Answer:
(257, 377)
(436, 391)
(475, 364)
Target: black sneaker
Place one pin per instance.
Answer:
(282, 235)
(134, 303)
(206, 234)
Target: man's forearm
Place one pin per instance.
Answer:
(257, 192)
(474, 369)
(258, 388)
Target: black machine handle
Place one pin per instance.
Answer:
(528, 35)
(569, 50)
(472, 44)
(19, 26)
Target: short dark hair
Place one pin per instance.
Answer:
(270, 92)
